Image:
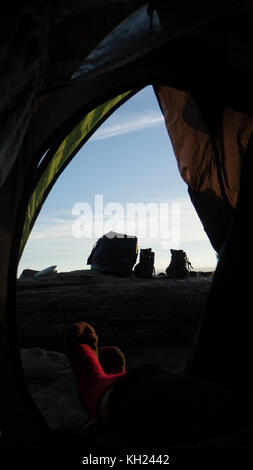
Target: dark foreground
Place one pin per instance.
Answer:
(134, 314)
(150, 320)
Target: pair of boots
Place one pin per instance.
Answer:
(179, 266)
(145, 268)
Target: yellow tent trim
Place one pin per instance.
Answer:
(64, 152)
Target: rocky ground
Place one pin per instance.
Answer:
(144, 317)
(151, 320)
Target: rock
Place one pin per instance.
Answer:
(52, 385)
(27, 273)
(38, 363)
(48, 272)
(160, 309)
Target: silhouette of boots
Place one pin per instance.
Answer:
(179, 266)
(145, 267)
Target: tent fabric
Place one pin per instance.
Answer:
(206, 55)
(209, 159)
(58, 99)
(62, 156)
(227, 316)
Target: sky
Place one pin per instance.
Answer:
(124, 179)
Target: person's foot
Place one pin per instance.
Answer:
(81, 333)
(112, 359)
(93, 382)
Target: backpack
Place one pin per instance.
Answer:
(114, 254)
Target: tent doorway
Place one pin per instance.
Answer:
(128, 161)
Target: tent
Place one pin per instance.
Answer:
(65, 67)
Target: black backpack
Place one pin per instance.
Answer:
(114, 254)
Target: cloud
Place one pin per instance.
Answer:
(174, 220)
(131, 123)
(51, 227)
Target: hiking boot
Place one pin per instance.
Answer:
(145, 268)
(179, 266)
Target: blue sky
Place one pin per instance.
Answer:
(128, 161)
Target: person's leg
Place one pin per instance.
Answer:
(139, 405)
(92, 380)
(151, 407)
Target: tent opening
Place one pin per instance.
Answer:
(125, 179)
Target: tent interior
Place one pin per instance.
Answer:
(64, 71)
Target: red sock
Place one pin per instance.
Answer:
(91, 379)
